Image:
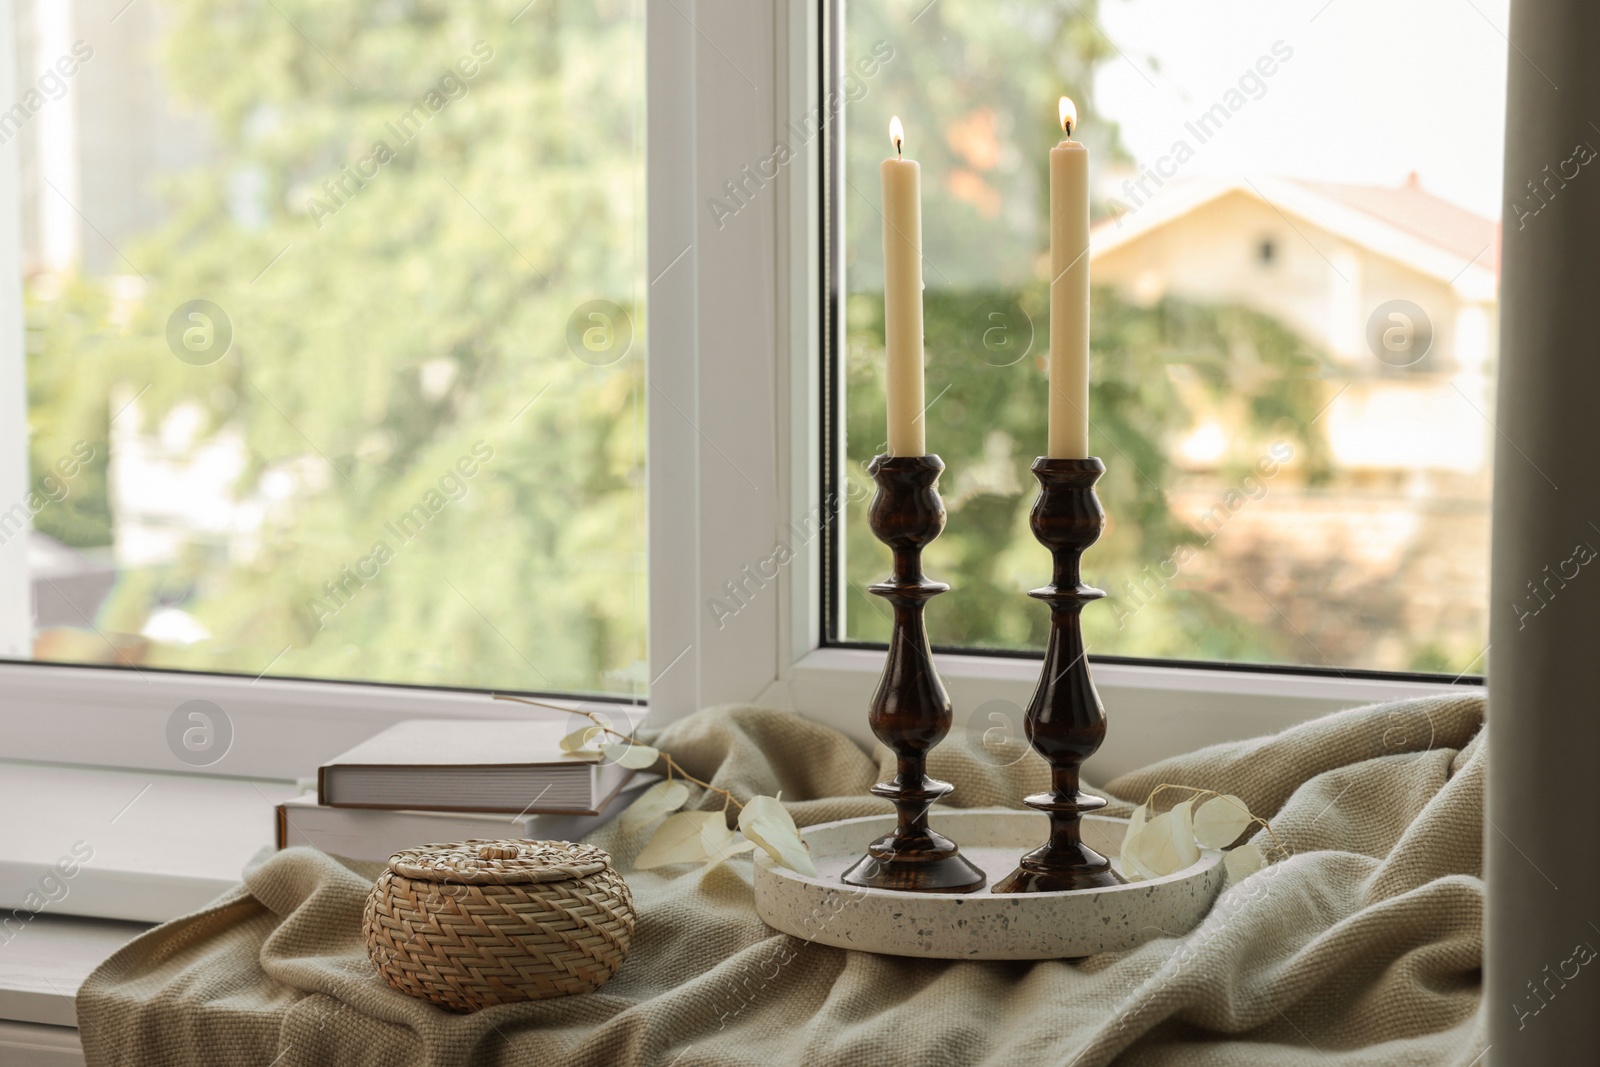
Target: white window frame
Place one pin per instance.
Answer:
(735, 345)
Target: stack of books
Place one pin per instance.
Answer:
(429, 781)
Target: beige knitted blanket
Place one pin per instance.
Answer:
(1363, 947)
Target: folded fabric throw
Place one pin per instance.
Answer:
(1364, 946)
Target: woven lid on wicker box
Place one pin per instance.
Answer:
(501, 862)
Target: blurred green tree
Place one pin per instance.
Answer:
(405, 206)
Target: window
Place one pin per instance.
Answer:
(488, 282)
(335, 342)
(1298, 460)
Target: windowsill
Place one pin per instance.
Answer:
(163, 845)
(140, 846)
(48, 961)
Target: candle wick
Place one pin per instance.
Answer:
(897, 152)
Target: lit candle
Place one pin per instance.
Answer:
(902, 297)
(1069, 293)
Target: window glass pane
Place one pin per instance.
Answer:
(335, 338)
(1294, 316)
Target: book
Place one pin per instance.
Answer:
(510, 766)
(375, 834)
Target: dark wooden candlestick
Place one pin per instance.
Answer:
(1066, 721)
(910, 711)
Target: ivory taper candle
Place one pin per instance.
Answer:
(902, 297)
(1069, 293)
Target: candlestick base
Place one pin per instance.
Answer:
(1065, 720)
(1057, 867)
(919, 860)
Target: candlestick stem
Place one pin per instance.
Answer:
(1065, 720)
(910, 711)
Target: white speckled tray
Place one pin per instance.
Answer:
(979, 926)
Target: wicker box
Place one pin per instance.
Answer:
(475, 923)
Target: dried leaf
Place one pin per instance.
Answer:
(1243, 861)
(1220, 820)
(578, 740)
(763, 807)
(1183, 815)
(1165, 845)
(1128, 861)
(1136, 824)
(634, 757)
(1183, 842)
(1141, 849)
(681, 839)
(714, 832)
(734, 846)
(658, 800)
(766, 822)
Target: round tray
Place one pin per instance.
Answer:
(980, 926)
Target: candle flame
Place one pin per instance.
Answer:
(1069, 116)
(897, 133)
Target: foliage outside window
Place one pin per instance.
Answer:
(404, 440)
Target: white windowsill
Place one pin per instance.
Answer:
(32, 1045)
(46, 964)
(141, 846)
(163, 845)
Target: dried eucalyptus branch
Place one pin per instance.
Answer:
(687, 836)
(1160, 844)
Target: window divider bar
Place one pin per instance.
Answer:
(715, 287)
